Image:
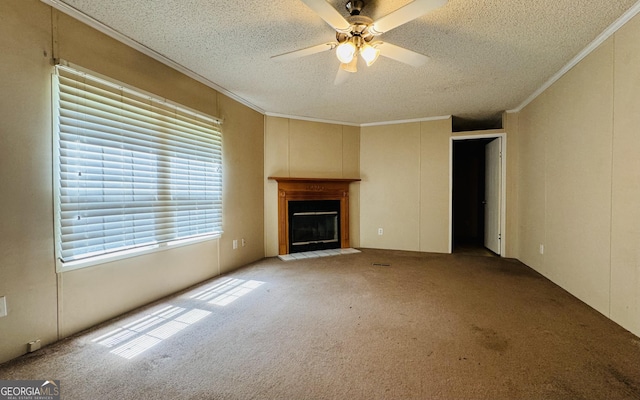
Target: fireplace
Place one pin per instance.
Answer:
(313, 214)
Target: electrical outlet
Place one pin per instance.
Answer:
(243, 242)
(380, 231)
(235, 244)
(3, 306)
(541, 249)
(33, 346)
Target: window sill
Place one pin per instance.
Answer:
(62, 267)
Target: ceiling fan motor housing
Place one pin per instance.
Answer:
(359, 27)
(354, 6)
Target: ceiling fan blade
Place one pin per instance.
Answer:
(305, 52)
(401, 54)
(329, 14)
(411, 11)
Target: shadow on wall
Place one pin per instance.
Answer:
(460, 124)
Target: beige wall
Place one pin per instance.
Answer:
(305, 149)
(625, 195)
(579, 180)
(405, 186)
(390, 169)
(243, 158)
(512, 233)
(27, 267)
(45, 305)
(434, 185)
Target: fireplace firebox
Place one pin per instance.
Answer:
(325, 227)
(314, 225)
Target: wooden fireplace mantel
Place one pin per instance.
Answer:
(311, 189)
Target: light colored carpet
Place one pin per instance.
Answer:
(374, 325)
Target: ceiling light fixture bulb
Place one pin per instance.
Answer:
(346, 52)
(369, 53)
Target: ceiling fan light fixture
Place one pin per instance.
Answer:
(369, 54)
(346, 52)
(351, 66)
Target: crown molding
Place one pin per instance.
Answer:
(606, 34)
(301, 118)
(325, 121)
(99, 26)
(406, 121)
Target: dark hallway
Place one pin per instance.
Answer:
(468, 196)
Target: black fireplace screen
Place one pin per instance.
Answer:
(314, 225)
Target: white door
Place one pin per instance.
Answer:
(493, 174)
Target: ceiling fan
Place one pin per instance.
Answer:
(358, 34)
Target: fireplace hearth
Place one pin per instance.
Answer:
(313, 213)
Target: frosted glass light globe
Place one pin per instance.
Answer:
(345, 52)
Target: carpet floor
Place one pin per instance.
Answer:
(374, 325)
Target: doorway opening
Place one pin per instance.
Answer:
(476, 195)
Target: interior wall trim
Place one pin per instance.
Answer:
(407, 121)
(395, 122)
(296, 117)
(606, 34)
(80, 16)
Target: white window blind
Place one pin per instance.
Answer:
(132, 171)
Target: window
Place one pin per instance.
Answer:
(132, 172)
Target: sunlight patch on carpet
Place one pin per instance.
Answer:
(139, 336)
(227, 291)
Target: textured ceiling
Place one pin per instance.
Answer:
(486, 56)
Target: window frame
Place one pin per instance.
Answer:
(63, 266)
